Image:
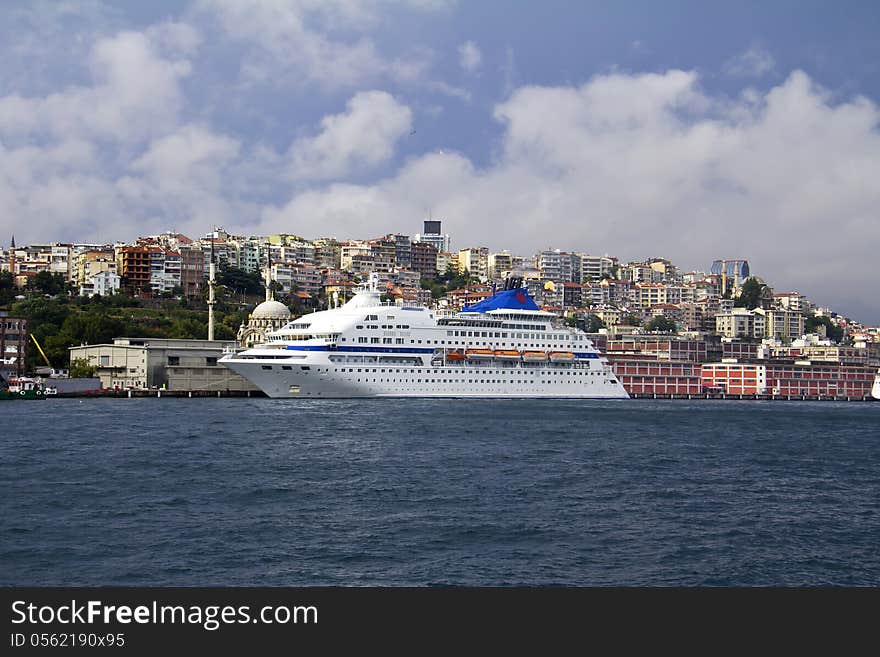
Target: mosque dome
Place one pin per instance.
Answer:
(271, 310)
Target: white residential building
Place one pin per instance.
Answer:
(104, 283)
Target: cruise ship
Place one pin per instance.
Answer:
(503, 346)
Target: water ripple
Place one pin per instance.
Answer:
(438, 492)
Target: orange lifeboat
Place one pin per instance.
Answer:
(455, 355)
(534, 356)
(506, 354)
(479, 354)
(561, 357)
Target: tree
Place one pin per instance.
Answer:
(631, 320)
(832, 330)
(751, 294)
(188, 329)
(239, 279)
(589, 324)
(80, 368)
(661, 324)
(49, 283)
(7, 289)
(224, 332)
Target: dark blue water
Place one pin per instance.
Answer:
(421, 492)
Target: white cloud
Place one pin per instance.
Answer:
(508, 70)
(46, 191)
(641, 165)
(135, 95)
(318, 42)
(755, 62)
(363, 136)
(633, 165)
(175, 156)
(469, 56)
(177, 37)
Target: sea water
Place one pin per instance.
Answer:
(435, 492)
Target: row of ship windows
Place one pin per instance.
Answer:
(523, 327)
(413, 371)
(449, 343)
(387, 327)
(404, 360)
(484, 381)
(482, 334)
(376, 340)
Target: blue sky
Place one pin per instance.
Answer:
(691, 130)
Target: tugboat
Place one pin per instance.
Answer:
(23, 388)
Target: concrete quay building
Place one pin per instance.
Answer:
(158, 363)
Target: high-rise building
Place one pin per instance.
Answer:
(402, 250)
(558, 266)
(594, 268)
(499, 263)
(348, 250)
(327, 253)
(432, 235)
(475, 260)
(445, 260)
(13, 343)
(133, 266)
(785, 325)
(192, 270)
(740, 323)
(423, 258)
(91, 263)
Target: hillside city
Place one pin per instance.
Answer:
(633, 310)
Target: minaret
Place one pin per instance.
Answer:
(12, 260)
(270, 295)
(212, 273)
(723, 277)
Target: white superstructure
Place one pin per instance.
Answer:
(503, 347)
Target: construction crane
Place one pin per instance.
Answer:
(42, 353)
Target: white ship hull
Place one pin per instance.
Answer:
(327, 381)
(366, 349)
(875, 390)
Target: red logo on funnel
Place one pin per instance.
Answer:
(520, 297)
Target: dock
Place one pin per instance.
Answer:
(755, 397)
(160, 394)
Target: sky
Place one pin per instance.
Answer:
(688, 130)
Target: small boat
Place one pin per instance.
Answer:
(534, 356)
(24, 388)
(507, 354)
(455, 355)
(561, 357)
(479, 354)
(875, 390)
